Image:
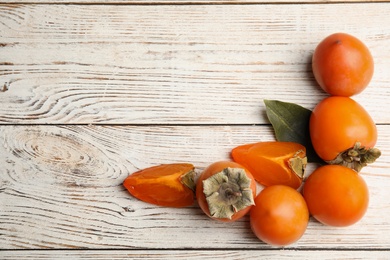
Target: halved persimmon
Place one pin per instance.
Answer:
(170, 185)
(273, 163)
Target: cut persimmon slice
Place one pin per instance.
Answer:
(273, 163)
(170, 185)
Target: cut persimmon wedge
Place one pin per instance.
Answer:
(170, 185)
(273, 163)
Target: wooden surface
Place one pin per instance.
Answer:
(91, 92)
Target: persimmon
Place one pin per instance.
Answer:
(273, 162)
(225, 191)
(170, 185)
(342, 132)
(336, 195)
(342, 65)
(280, 215)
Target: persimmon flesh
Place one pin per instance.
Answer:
(167, 185)
(273, 162)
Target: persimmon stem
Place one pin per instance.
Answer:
(230, 192)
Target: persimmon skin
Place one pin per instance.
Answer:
(269, 161)
(162, 185)
(337, 123)
(211, 170)
(342, 65)
(336, 195)
(280, 215)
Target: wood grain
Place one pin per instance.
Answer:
(180, 2)
(61, 187)
(159, 64)
(197, 254)
(94, 90)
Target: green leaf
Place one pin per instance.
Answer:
(291, 124)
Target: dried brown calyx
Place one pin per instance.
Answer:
(298, 163)
(357, 157)
(189, 179)
(228, 192)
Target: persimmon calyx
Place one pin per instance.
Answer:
(356, 157)
(189, 179)
(228, 192)
(298, 164)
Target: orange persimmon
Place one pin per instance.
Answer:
(280, 215)
(336, 195)
(170, 185)
(343, 132)
(225, 191)
(342, 65)
(273, 162)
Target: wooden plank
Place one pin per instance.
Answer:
(158, 64)
(60, 187)
(180, 2)
(198, 254)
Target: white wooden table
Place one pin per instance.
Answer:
(92, 91)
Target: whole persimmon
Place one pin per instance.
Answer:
(342, 132)
(280, 215)
(225, 191)
(336, 195)
(342, 65)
